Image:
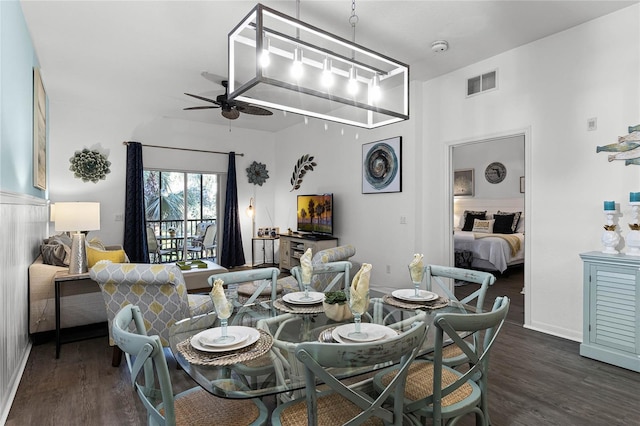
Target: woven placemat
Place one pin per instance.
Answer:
(280, 305)
(440, 302)
(194, 356)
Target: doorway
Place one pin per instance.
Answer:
(488, 176)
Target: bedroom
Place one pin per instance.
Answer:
(488, 188)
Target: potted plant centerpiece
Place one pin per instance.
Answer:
(336, 306)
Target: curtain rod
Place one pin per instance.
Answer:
(185, 149)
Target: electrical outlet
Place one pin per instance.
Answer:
(119, 217)
(388, 269)
(403, 220)
(592, 124)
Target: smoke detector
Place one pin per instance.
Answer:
(439, 46)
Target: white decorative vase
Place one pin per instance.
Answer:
(633, 241)
(610, 240)
(337, 311)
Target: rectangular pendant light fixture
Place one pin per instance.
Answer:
(280, 62)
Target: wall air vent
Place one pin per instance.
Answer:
(482, 83)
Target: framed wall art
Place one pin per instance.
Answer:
(463, 183)
(39, 132)
(382, 166)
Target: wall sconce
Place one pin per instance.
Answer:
(77, 218)
(251, 212)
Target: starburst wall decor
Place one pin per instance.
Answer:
(90, 166)
(257, 173)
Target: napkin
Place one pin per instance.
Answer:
(360, 289)
(305, 266)
(223, 307)
(416, 268)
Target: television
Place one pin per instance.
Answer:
(315, 214)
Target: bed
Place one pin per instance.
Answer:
(491, 240)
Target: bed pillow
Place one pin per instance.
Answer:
(470, 216)
(485, 226)
(506, 222)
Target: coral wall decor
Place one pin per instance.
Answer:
(89, 165)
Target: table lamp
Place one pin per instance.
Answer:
(76, 218)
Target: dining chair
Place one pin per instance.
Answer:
(326, 276)
(342, 404)
(434, 390)
(156, 249)
(251, 283)
(145, 357)
(434, 275)
(159, 291)
(209, 243)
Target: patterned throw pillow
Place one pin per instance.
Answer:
(95, 255)
(506, 222)
(485, 226)
(469, 216)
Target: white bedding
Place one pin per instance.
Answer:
(492, 253)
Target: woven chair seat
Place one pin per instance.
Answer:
(420, 383)
(199, 407)
(333, 410)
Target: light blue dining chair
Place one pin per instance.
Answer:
(326, 276)
(342, 404)
(435, 391)
(145, 356)
(256, 282)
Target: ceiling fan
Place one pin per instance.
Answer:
(231, 109)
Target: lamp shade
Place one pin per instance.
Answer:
(75, 216)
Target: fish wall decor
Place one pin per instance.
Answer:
(627, 148)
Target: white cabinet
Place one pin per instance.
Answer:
(611, 331)
(294, 246)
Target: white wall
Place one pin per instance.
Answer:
(549, 88)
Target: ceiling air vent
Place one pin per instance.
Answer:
(482, 83)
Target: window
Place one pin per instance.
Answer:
(482, 83)
(167, 208)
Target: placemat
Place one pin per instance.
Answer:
(281, 305)
(194, 356)
(440, 302)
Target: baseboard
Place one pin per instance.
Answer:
(13, 385)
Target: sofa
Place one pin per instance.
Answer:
(335, 254)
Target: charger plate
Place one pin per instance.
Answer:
(281, 305)
(194, 356)
(408, 294)
(440, 302)
(244, 336)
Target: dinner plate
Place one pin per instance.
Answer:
(209, 339)
(409, 295)
(374, 332)
(296, 298)
(252, 336)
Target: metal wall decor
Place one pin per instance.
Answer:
(381, 166)
(627, 148)
(90, 166)
(303, 165)
(257, 173)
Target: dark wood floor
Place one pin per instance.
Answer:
(536, 379)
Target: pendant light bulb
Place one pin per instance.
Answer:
(296, 67)
(327, 74)
(375, 93)
(352, 86)
(265, 59)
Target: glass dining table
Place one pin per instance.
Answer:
(265, 362)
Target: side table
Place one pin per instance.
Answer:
(265, 262)
(59, 279)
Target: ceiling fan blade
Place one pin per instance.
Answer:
(202, 98)
(247, 108)
(200, 107)
(231, 114)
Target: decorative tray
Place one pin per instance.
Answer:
(185, 265)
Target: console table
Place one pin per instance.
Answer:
(293, 246)
(265, 259)
(611, 309)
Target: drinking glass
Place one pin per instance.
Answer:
(224, 309)
(358, 307)
(416, 279)
(306, 291)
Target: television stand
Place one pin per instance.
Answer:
(293, 246)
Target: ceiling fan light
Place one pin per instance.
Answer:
(352, 85)
(231, 113)
(296, 67)
(327, 74)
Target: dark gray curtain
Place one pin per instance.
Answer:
(135, 235)
(232, 253)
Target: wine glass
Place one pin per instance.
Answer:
(416, 279)
(223, 309)
(358, 305)
(306, 291)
